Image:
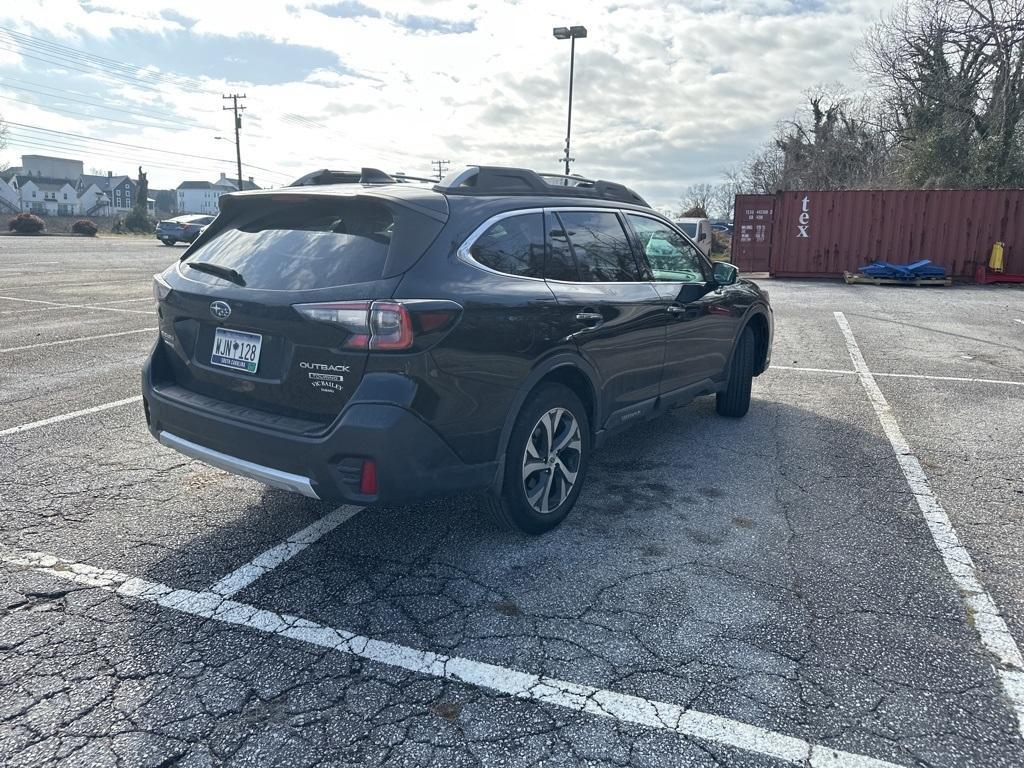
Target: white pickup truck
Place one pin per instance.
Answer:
(699, 231)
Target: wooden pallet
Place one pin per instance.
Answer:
(851, 278)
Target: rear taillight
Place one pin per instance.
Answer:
(390, 326)
(383, 325)
(353, 316)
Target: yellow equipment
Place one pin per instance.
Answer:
(995, 261)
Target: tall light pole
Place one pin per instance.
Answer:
(569, 33)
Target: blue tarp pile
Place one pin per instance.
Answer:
(915, 271)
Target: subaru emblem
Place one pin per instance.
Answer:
(220, 309)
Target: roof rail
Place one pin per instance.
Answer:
(363, 176)
(496, 180)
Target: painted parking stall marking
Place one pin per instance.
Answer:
(245, 575)
(923, 376)
(66, 416)
(81, 306)
(988, 622)
(511, 682)
(76, 339)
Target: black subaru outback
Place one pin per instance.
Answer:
(361, 338)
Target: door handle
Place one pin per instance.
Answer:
(674, 310)
(589, 317)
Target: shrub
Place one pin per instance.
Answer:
(26, 223)
(85, 227)
(138, 221)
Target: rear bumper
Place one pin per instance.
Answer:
(412, 461)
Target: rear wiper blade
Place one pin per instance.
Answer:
(216, 269)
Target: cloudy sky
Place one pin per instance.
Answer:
(666, 93)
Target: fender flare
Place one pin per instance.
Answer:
(558, 360)
(757, 308)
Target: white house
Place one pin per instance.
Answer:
(200, 196)
(10, 199)
(47, 197)
(94, 201)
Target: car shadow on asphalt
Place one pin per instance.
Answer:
(773, 569)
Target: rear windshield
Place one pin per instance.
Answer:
(298, 247)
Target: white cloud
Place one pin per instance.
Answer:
(666, 94)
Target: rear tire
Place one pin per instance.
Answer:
(545, 462)
(734, 402)
(167, 241)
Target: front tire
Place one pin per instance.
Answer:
(545, 463)
(734, 402)
(167, 241)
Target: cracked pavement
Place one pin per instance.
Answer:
(773, 571)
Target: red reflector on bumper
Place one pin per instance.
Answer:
(368, 479)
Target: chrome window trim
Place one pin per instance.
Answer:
(465, 256)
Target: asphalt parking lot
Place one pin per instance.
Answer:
(835, 580)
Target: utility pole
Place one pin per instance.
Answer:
(238, 126)
(440, 166)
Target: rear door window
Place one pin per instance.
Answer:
(303, 246)
(513, 245)
(600, 247)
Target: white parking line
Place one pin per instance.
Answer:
(242, 577)
(66, 416)
(79, 338)
(901, 375)
(80, 306)
(512, 682)
(981, 609)
(124, 301)
(1018, 320)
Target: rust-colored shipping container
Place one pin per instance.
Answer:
(823, 234)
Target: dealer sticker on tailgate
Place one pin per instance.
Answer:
(236, 349)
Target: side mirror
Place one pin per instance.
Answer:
(702, 236)
(724, 273)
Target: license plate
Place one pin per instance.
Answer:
(236, 349)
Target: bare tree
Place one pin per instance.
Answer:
(697, 197)
(951, 76)
(833, 142)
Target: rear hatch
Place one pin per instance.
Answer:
(272, 308)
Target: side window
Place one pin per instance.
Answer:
(600, 247)
(672, 257)
(513, 245)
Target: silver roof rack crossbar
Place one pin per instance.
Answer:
(496, 180)
(362, 176)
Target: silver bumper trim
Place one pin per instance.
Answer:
(275, 478)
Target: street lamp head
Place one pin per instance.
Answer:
(564, 33)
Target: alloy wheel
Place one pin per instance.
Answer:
(551, 461)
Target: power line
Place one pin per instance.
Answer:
(103, 63)
(137, 146)
(5, 82)
(21, 141)
(64, 111)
